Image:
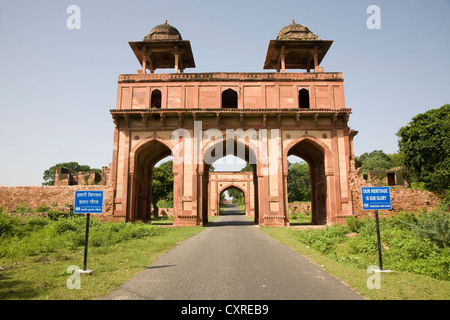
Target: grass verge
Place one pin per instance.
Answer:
(42, 275)
(394, 286)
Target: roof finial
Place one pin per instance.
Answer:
(293, 22)
(165, 22)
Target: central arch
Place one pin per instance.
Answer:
(224, 147)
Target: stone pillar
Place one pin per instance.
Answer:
(144, 61)
(283, 59)
(316, 59)
(177, 55)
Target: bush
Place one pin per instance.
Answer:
(7, 225)
(417, 243)
(354, 223)
(36, 235)
(41, 208)
(325, 240)
(22, 208)
(435, 226)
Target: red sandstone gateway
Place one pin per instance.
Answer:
(272, 115)
(300, 113)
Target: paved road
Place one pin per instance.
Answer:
(232, 260)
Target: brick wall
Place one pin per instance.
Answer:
(402, 198)
(55, 196)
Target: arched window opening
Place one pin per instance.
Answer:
(303, 98)
(156, 99)
(229, 99)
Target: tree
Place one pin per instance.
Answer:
(49, 174)
(248, 167)
(162, 187)
(298, 182)
(424, 144)
(237, 195)
(377, 160)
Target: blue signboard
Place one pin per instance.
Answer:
(376, 198)
(88, 202)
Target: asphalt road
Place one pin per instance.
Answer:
(233, 260)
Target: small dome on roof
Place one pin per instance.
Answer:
(163, 32)
(296, 31)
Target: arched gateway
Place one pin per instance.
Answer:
(260, 117)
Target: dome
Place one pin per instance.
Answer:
(163, 32)
(296, 31)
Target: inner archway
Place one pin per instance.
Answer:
(218, 151)
(233, 195)
(314, 154)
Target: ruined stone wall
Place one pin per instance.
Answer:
(53, 196)
(300, 207)
(402, 198)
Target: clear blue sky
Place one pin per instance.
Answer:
(57, 85)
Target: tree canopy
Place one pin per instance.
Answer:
(237, 195)
(298, 182)
(424, 145)
(377, 160)
(162, 186)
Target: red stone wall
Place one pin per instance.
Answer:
(402, 198)
(53, 196)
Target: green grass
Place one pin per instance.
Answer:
(399, 285)
(161, 221)
(36, 252)
(299, 219)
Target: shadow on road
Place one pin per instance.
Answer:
(233, 217)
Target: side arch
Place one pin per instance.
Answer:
(319, 158)
(143, 157)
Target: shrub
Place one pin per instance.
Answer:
(22, 208)
(435, 226)
(41, 208)
(354, 223)
(7, 225)
(325, 240)
(36, 235)
(417, 243)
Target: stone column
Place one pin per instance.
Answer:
(283, 59)
(177, 55)
(144, 61)
(316, 59)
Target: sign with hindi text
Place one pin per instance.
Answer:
(88, 202)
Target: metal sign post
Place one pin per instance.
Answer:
(88, 202)
(380, 258)
(375, 198)
(86, 240)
